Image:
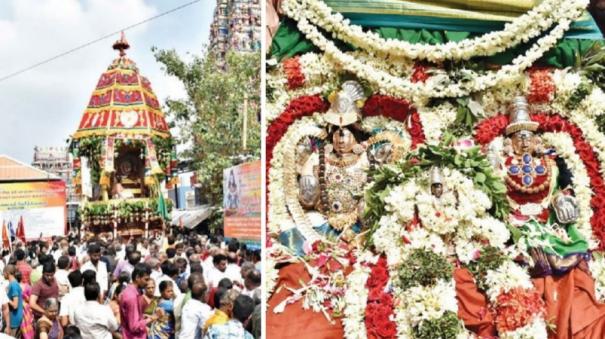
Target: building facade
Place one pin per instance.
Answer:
(236, 27)
(57, 161)
(53, 160)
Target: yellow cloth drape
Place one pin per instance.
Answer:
(493, 10)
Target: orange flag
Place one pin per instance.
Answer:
(6, 239)
(21, 230)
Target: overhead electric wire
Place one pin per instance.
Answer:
(8, 76)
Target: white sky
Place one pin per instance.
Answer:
(43, 106)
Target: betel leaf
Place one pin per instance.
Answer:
(479, 178)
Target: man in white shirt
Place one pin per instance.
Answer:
(207, 263)
(95, 264)
(218, 271)
(156, 272)
(73, 300)
(251, 283)
(61, 276)
(181, 301)
(169, 272)
(233, 271)
(62, 250)
(94, 319)
(195, 313)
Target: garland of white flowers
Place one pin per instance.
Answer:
(282, 176)
(356, 297)
(278, 216)
(436, 120)
(435, 87)
(563, 144)
(291, 140)
(521, 29)
(388, 240)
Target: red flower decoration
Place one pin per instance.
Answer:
(542, 87)
(517, 308)
(386, 106)
(420, 74)
(490, 128)
(415, 129)
(294, 73)
(380, 304)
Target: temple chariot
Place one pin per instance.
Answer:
(122, 152)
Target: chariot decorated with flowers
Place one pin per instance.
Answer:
(122, 153)
(435, 170)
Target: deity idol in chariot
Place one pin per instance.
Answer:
(545, 212)
(333, 172)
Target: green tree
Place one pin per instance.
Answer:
(213, 112)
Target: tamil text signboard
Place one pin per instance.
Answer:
(39, 206)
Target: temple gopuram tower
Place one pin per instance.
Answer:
(122, 153)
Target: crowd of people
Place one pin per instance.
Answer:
(184, 286)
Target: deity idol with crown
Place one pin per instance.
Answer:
(539, 192)
(332, 179)
(545, 211)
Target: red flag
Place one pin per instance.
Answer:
(6, 239)
(21, 230)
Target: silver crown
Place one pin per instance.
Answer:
(344, 110)
(519, 117)
(436, 177)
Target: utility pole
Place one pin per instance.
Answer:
(245, 127)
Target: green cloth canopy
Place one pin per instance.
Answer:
(289, 41)
(440, 21)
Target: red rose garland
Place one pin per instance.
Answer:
(379, 307)
(294, 73)
(396, 109)
(490, 128)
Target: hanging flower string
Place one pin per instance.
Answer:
(524, 28)
(441, 87)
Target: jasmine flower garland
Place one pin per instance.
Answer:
(521, 29)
